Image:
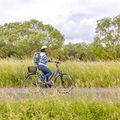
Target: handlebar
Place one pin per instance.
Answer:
(57, 62)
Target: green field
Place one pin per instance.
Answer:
(58, 107)
(16, 105)
(85, 74)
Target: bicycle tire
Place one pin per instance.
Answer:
(64, 83)
(30, 78)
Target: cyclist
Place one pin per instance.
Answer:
(41, 60)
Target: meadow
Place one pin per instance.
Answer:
(84, 74)
(58, 107)
(53, 106)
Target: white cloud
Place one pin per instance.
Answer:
(76, 19)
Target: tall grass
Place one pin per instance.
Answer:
(58, 108)
(94, 74)
(84, 74)
(12, 72)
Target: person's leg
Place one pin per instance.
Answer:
(47, 72)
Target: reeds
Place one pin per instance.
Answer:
(84, 74)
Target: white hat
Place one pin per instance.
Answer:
(44, 47)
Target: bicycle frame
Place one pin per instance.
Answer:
(55, 74)
(57, 71)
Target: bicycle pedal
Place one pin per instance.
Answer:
(42, 84)
(34, 83)
(49, 84)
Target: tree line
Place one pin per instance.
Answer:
(105, 46)
(21, 40)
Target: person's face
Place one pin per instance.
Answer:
(46, 50)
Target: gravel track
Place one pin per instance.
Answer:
(102, 94)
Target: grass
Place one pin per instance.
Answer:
(58, 107)
(84, 74)
(54, 106)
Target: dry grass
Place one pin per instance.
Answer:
(89, 74)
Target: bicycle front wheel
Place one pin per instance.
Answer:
(64, 83)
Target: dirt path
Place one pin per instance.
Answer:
(112, 94)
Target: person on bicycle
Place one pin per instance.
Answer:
(41, 60)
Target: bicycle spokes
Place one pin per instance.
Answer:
(31, 80)
(63, 83)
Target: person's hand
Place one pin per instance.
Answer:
(35, 64)
(57, 61)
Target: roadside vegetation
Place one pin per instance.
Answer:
(84, 74)
(58, 107)
(93, 65)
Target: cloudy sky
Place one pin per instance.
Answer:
(76, 19)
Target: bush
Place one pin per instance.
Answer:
(57, 108)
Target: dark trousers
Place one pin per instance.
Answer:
(47, 72)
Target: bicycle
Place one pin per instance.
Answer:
(63, 82)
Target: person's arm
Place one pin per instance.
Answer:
(45, 58)
(54, 61)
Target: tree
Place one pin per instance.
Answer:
(108, 33)
(23, 39)
(108, 30)
(75, 51)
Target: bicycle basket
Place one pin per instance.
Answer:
(32, 69)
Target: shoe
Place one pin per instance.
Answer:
(42, 84)
(49, 83)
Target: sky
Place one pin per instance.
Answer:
(75, 19)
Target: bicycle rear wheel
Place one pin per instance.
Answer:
(31, 80)
(64, 83)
